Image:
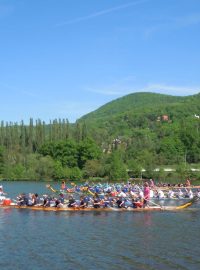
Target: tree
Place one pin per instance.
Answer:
(92, 168)
(1, 159)
(59, 171)
(45, 168)
(116, 169)
(134, 168)
(75, 174)
(87, 150)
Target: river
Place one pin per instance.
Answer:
(96, 240)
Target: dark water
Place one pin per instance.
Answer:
(115, 240)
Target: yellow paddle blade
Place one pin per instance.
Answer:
(90, 192)
(50, 187)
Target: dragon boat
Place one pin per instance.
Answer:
(101, 209)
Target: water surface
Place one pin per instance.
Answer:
(88, 240)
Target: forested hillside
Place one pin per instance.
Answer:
(136, 102)
(135, 132)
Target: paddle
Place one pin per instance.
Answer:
(154, 203)
(51, 188)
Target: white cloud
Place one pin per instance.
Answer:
(101, 13)
(120, 89)
(170, 89)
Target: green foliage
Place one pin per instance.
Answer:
(127, 134)
(116, 169)
(135, 168)
(87, 150)
(92, 168)
(1, 159)
(45, 168)
(59, 171)
(14, 172)
(172, 150)
(75, 174)
(64, 151)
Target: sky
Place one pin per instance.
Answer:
(66, 58)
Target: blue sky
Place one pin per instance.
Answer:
(63, 59)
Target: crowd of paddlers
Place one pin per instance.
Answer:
(120, 195)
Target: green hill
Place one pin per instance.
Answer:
(140, 130)
(145, 104)
(162, 126)
(136, 102)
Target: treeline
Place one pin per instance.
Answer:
(60, 150)
(124, 144)
(53, 151)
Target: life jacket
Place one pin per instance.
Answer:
(138, 204)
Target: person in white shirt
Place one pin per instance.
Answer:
(2, 194)
(171, 194)
(189, 193)
(151, 193)
(180, 194)
(161, 194)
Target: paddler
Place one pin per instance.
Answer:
(1, 191)
(151, 183)
(2, 194)
(137, 203)
(72, 202)
(83, 202)
(187, 183)
(106, 202)
(171, 194)
(63, 186)
(120, 203)
(189, 193)
(146, 194)
(96, 202)
(160, 194)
